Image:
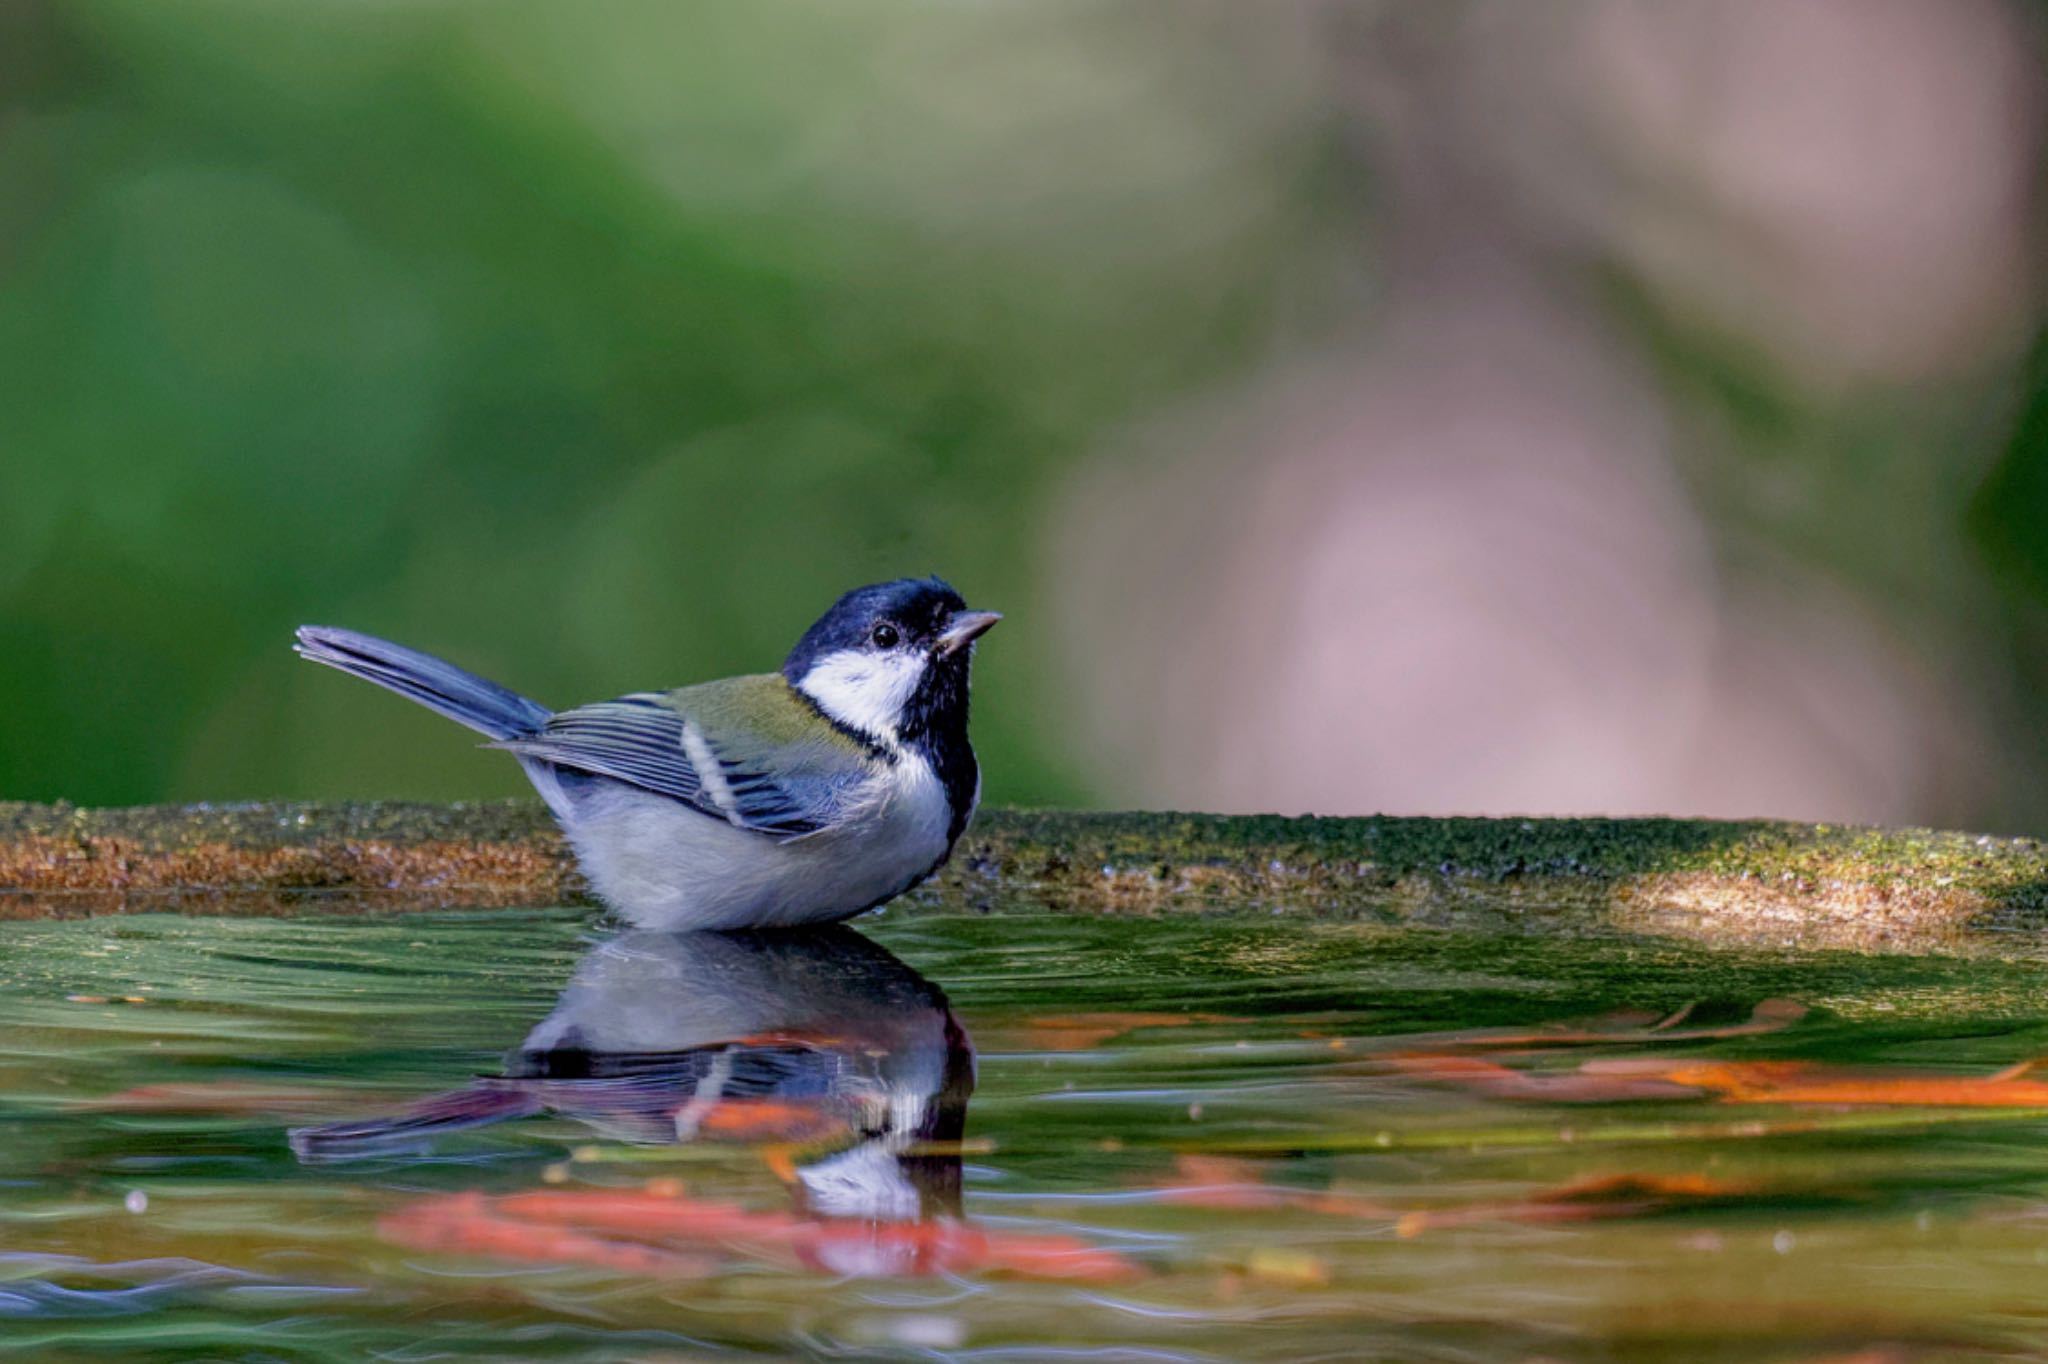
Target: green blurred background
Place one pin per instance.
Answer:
(1414, 406)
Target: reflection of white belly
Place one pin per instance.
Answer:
(661, 864)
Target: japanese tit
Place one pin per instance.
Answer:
(785, 798)
(819, 1039)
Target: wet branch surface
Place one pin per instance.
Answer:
(1869, 889)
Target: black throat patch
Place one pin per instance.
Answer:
(935, 726)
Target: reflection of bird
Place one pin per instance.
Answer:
(817, 1037)
(753, 802)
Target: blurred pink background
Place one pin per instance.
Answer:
(1477, 554)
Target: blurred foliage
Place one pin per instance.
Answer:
(595, 352)
(598, 348)
(2007, 514)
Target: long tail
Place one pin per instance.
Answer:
(461, 696)
(414, 1129)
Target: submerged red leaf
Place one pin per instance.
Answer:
(1497, 1081)
(225, 1096)
(469, 1224)
(1747, 1082)
(643, 1232)
(1789, 1082)
(743, 1119)
(1229, 1185)
(1590, 1197)
(1627, 1027)
(1236, 1185)
(1081, 1031)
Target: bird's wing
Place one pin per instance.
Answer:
(747, 750)
(635, 739)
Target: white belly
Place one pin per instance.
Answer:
(661, 864)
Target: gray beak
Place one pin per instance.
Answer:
(964, 629)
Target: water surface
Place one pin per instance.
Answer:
(1009, 1136)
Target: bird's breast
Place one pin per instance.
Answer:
(907, 817)
(667, 865)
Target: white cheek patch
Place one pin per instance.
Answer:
(863, 690)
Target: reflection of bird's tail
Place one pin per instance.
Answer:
(477, 1106)
(439, 686)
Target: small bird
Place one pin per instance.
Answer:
(796, 797)
(820, 1040)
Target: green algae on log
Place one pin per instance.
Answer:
(1750, 880)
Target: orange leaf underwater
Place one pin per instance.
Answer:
(742, 1118)
(1806, 1082)
(1230, 1185)
(1234, 1185)
(1588, 1198)
(468, 1224)
(1742, 1082)
(1616, 1029)
(640, 1232)
(1079, 1032)
(1582, 1086)
(227, 1096)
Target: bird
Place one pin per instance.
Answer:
(819, 1039)
(802, 796)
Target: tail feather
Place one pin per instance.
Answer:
(413, 1130)
(442, 687)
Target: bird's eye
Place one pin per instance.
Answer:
(885, 636)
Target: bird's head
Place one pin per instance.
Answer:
(891, 660)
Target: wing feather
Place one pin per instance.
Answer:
(781, 772)
(628, 740)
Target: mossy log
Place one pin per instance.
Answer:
(1753, 881)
